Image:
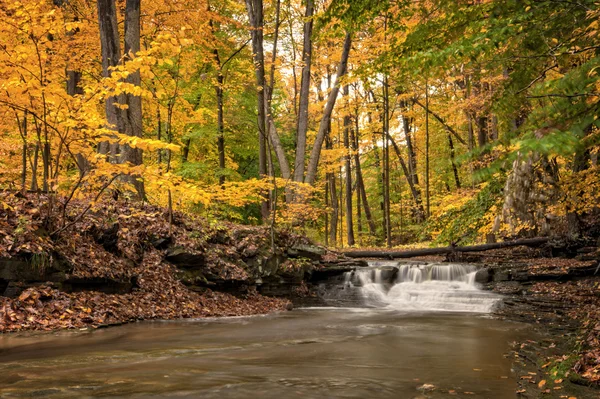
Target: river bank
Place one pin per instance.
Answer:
(116, 262)
(559, 297)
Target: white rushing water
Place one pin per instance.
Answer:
(429, 287)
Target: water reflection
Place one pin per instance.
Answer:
(349, 353)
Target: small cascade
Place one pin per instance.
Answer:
(426, 287)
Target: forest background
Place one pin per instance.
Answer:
(360, 123)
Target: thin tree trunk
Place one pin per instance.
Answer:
(360, 185)
(23, 128)
(220, 120)
(348, 167)
(481, 131)
(34, 167)
(315, 153)
(386, 163)
(293, 43)
(412, 156)
(441, 120)
(414, 189)
(255, 14)
(304, 94)
(452, 161)
(46, 166)
(427, 183)
(334, 200)
(272, 134)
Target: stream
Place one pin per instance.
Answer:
(420, 334)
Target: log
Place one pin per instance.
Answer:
(530, 242)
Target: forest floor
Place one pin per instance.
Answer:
(57, 280)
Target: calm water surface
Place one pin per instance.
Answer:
(306, 353)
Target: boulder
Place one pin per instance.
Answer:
(484, 276)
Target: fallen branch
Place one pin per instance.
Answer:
(530, 242)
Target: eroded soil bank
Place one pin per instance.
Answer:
(124, 262)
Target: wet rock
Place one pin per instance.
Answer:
(484, 276)
(161, 242)
(184, 259)
(19, 273)
(311, 252)
(388, 274)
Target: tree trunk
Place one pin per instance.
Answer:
(111, 56)
(348, 167)
(334, 200)
(304, 94)
(481, 131)
(427, 183)
(133, 113)
(255, 14)
(386, 163)
(360, 185)
(441, 120)
(412, 156)
(315, 153)
(414, 190)
(34, 167)
(454, 167)
(531, 242)
(23, 128)
(220, 120)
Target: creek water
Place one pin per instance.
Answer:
(399, 346)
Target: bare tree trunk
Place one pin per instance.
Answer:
(304, 93)
(272, 134)
(293, 45)
(386, 163)
(315, 153)
(494, 128)
(452, 155)
(220, 120)
(334, 200)
(481, 131)
(34, 167)
(348, 167)
(412, 156)
(441, 120)
(414, 189)
(360, 184)
(133, 113)
(46, 166)
(428, 209)
(111, 56)
(255, 14)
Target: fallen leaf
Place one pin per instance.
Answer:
(541, 384)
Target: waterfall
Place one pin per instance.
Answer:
(424, 287)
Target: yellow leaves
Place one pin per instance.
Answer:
(144, 144)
